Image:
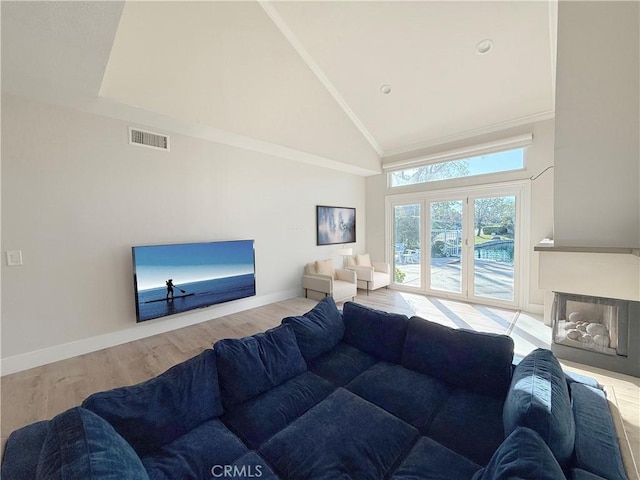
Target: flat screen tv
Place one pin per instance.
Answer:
(171, 279)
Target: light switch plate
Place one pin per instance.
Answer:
(14, 258)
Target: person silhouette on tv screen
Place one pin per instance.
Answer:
(169, 288)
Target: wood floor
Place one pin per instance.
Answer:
(43, 392)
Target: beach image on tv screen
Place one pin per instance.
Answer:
(170, 279)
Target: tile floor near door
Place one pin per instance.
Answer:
(43, 392)
(492, 279)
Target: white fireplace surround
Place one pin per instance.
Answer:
(600, 272)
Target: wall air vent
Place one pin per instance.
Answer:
(148, 139)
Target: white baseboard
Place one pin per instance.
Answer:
(137, 331)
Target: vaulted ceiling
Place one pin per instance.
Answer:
(303, 80)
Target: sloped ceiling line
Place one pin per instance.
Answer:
(297, 45)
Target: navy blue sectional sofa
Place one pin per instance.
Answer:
(357, 394)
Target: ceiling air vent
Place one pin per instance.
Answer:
(148, 139)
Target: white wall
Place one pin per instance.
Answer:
(597, 174)
(76, 196)
(538, 157)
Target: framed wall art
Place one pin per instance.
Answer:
(335, 225)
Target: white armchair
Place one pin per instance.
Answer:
(321, 280)
(371, 275)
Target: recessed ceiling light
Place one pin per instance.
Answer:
(484, 46)
(385, 89)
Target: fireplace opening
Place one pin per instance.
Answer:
(597, 331)
(590, 323)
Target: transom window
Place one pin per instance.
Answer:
(498, 162)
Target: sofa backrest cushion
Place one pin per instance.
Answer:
(252, 365)
(318, 330)
(538, 399)
(156, 412)
(523, 455)
(479, 362)
(597, 453)
(375, 332)
(80, 444)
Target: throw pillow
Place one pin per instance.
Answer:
(523, 455)
(318, 330)
(538, 399)
(80, 444)
(325, 267)
(363, 260)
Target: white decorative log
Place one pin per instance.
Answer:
(576, 317)
(601, 340)
(574, 334)
(596, 329)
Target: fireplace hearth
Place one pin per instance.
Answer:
(597, 331)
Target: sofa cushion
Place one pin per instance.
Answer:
(579, 474)
(596, 443)
(480, 362)
(341, 364)
(343, 436)
(22, 451)
(470, 424)
(429, 460)
(80, 444)
(252, 365)
(375, 332)
(318, 330)
(261, 417)
(523, 455)
(156, 412)
(409, 395)
(538, 398)
(193, 455)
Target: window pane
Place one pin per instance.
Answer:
(446, 246)
(406, 264)
(466, 167)
(494, 225)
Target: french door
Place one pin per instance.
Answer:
(462, 243)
